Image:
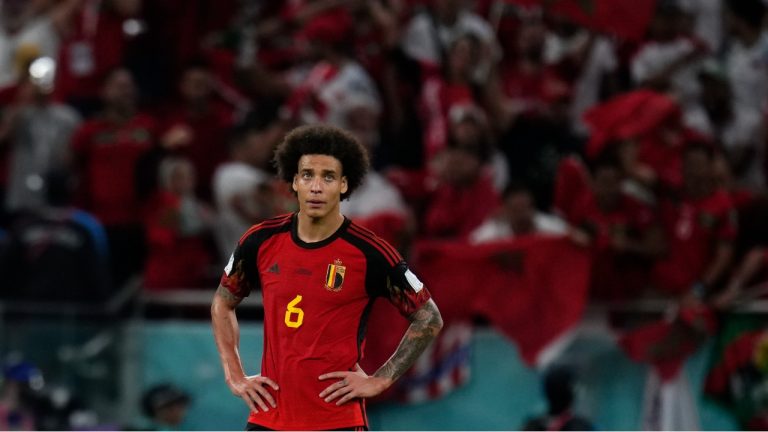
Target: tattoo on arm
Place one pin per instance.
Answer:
(229, 299)
(425, 325)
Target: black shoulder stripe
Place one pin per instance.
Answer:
(373, 245)
(269, 224)
(379, 241)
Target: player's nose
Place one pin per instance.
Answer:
(316, 186)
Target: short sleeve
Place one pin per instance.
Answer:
(404, 290)
(241, 276)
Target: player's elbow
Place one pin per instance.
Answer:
(438, 322)
(217, 307)
(431, 317)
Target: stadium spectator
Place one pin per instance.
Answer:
(669, 60)
(533, 113)
(706, 19)
(737, 129)
(559, 385)
(452, 88)
(166, 406)
(194, 126)
(28, 30)
(376, 194)
(20, 380)
(516, 217)
(94, 44)
(463, 195)
(40, 131)
(700, 227)
(178, 227)
(588, 59)
(335, 80)
(106, 151)
(430, 33)
(468, 127)
(242, 186)
(745, 58)
(530, 87)
(377, 203)
(57, 252)
(623, 231)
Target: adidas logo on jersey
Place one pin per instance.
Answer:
(274, 269)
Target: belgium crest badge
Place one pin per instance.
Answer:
(334, 277)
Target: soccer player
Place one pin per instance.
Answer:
(319, 274)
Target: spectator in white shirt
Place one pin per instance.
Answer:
(669, 60)
(429, 34)
(242, 186)
(376, 195)
(738, 129)
(594, 63)
(517, 216)
(746, 58)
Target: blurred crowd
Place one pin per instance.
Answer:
(136, 136)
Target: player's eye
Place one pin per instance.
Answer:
(306, 175)
(330, 177)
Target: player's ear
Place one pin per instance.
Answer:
(294, 184)
(344, 184)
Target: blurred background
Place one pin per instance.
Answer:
(580, 183)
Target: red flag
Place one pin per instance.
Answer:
(741, 352)
(627, 19)
(628, 115)
(532, 289)
(666, 344)
(740, 370)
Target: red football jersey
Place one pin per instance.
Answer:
(615, 275)
(317, 297)
(692, 228)
(107, 154)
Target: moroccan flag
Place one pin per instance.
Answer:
(533, 289)
(627, 19)
(666, 344)
(740, 369)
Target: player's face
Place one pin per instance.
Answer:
(319, 185)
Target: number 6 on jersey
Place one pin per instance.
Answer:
(292, 309)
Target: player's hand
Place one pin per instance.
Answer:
(253, 391)
(350, 385)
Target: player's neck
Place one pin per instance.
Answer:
(312, 230)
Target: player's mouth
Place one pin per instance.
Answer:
(315, 203)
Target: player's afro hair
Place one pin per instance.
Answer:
(322, 140)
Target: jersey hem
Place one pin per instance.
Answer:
(315, 426)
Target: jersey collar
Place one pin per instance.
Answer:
(315, 245)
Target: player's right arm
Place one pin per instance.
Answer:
(226, 331)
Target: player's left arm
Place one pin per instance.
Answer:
(426, 323)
